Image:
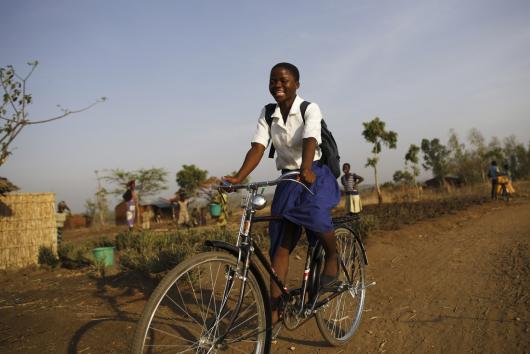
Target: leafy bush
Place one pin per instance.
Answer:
(47, 257)
(155, 252)
(75, 255)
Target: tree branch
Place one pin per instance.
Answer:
(67, 113)
(10, 98)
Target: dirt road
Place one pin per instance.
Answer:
(455, 284)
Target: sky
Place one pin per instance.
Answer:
(186, 80)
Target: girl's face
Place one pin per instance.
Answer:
(346, 169)
(283, 85)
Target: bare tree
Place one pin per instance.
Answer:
(13, 108)
(148, 181)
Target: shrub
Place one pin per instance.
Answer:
(47, 257)
(155, 252)
(74, 255)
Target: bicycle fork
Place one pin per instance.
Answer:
(240, 272)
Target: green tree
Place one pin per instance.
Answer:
(375, 133)
(149, 181)
(412, 160)
(190, 178)
(477, 154)
(460, 162)
(90, 209)
(435, 157)
(13, 107)
(494, 150)
(403, 177)
(517, 157)
(102, 205)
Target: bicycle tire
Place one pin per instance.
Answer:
(180, 315)
(505, 194)
(339, 319)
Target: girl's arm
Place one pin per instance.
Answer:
(252, 160)
(311, 138)
(308, 154)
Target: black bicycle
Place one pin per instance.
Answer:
(503, 181)
(218, 301)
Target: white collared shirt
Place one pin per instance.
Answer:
(287, 137)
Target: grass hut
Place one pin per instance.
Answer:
(27, 222)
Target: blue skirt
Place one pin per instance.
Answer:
(297, 205)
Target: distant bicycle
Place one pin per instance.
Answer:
(218, 301)
(504, 187)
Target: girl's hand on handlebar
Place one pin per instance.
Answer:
(228, 181)
(232, 179)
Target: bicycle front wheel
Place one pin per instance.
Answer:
(339, 319)
(192, 307)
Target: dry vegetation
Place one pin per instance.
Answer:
(152, 252)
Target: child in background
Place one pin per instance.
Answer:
(131, 201)
(62, 213)
(350, 182)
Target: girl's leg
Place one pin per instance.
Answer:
(327, 239)
(280, 263)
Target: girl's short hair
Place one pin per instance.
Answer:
(346, 164)
(290, 67)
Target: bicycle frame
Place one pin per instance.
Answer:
(246, 247)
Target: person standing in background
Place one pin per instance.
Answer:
(350, 182)
(62, 213)
(493, 173)
(182, 201)
(131, 201)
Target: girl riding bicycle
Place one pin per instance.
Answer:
(297, 146)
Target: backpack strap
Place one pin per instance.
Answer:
(269, 110)
(303, 108)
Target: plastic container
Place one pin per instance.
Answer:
(215, 209)
(104, 255)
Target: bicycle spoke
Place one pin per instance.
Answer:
(195, 307)
(195, 297)
(183, 310)
(340, 318)
(171, 335)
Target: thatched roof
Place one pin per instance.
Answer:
(6, 186)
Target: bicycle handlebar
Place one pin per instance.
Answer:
(256, 185)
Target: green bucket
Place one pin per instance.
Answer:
(104, 255)
(215, 209)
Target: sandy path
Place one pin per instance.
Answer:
(456, 284)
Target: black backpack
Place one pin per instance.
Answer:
(330, 151)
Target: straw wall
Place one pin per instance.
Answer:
(27, 222)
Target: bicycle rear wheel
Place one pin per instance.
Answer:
(192, 307)
(505, 194)
(339, 319)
